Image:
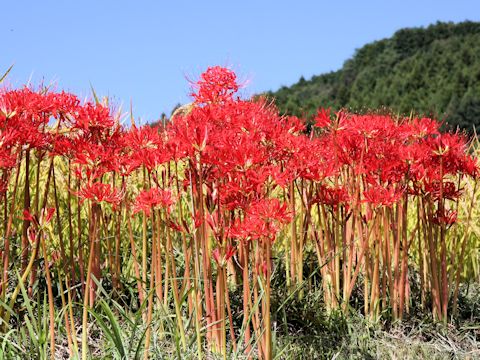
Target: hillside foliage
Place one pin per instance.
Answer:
(434, 70)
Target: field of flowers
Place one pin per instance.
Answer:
(100, 220)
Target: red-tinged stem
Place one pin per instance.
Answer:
(68, 327)
(363, 250)
(396, 265)
(26, 206)
(421, 261)
(88, 294)
(5, 179)
(385, 263)
(230, 317)
(95, 232)
(149, 309)
(318, 237)
(57, 213)
(37, 183)
(375, 289)
(196, 283)
(404, 263)
(117, 266)
(293, 245)
(351, 255)
(207, 271)
(136, 267)
(443, 251)
(70, 311)
(267, 319)
(6, 250)
(186, 249)
(80, 244)
(433, 263)
(157, 235)
(117, 224)
(174, 285)
(144, 235)
(325, 257)
(246, 296)
(50, 301)
(256, 316)
(167, 272)
(221, 326)
(44, 206)
(70, 224)
(388, 222)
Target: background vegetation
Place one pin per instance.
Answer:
(433, 71)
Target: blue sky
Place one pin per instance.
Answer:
(144, 51)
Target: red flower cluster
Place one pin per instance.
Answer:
(241, 173)
(216, 85)
(99, 192)
(150, 199)
(239, 152)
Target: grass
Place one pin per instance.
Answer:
(302, 328)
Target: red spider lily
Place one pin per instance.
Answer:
(97, 158)
(93, 118)
(470, 166)
(149, 199)
(63, 146)
(216, 223)
(7, 159)
(269, 210)
(143, 138)
(189, 134)
(45, 216)
(382, 196)
(197, 220)
(174, 226)
(217, 84)
(99, 192)
(28, 216)
(35, 107)
(420, 128)
(143, 146)
(8, 137)
(442, 190)
(331, 196)
(238, 152)
(447, 143)
(314, 160)
(447, 217)
(232, 157)
(29, 112)
(322, 118)
(243, 188)
(446, 154)
(239, 230)
(222, 259)
(262, 220)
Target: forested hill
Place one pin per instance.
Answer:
(434, 71)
